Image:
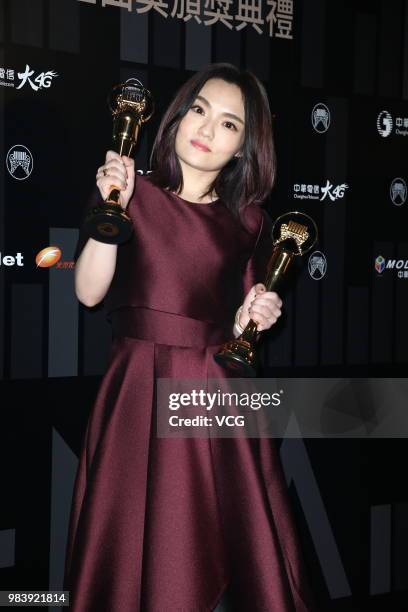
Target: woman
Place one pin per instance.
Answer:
(168, 524)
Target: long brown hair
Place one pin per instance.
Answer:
(243, 180)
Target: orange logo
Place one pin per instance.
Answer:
(48, 257)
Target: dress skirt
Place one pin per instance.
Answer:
(165, 524)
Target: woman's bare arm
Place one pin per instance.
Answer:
(94, 271)
(96, 265)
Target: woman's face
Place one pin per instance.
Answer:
(213, 129)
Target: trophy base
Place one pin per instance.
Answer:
(237, 355)
(108, 223)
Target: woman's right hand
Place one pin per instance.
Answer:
(118, 172)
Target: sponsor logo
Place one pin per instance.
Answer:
(316, 192)
(385, 125)
(380, 264)
(320, 118)
(51, 256)
(19, 162)
(317, 265)
(10, 77)
(48, 257)
(398, 191)
(398, 266)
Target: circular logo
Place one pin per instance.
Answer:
(48, 257)
(19, 162)
(384, 123)
(398, 191)
(317, 265)
(320, 118)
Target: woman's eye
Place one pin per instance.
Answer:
(196, 108)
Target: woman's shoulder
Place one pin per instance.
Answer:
(143, 183)
(146, 188)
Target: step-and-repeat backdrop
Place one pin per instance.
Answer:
(336, 73)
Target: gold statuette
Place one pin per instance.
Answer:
(131, 105)
(293, 234)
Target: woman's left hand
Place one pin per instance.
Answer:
(262, 306)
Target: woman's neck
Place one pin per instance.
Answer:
(194, 196)
(195, 183)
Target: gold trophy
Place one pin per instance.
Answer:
(293, 234)
(131, 105)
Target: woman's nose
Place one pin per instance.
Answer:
(206, 129)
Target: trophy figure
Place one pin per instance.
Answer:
(293, 234)
(131, 105)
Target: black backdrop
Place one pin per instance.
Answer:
(350, 496)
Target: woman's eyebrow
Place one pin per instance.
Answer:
(226, 114)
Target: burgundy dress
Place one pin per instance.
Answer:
(165, 524)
